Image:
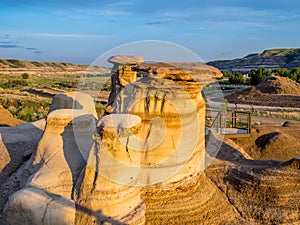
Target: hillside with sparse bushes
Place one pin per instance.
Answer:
(288, 58)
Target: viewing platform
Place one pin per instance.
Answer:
(234, 124)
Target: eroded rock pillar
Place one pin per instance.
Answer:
(168, 99)
(109, 184)
(48, 195)
(121, 75)
(171, 139)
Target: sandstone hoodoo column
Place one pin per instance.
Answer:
(63, 151)
(172, 132)
(122, 74)
(171, 141)
(108, 185)
(48, 196)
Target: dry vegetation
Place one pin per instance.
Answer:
(27, 88)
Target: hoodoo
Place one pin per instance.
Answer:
(168, 99)
(48, 195)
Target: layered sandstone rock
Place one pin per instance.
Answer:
(233, 189)
(188, 71)
(59, 162)
(12, 157)
(172, 132)
(122, 74)
(17, 145)
(47, 197)
(169, 101)
(35, 206)
(192, 201)
(263, 192)
(108, 185)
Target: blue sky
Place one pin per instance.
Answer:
(80, 31)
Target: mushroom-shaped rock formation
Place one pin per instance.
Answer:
(168, 99)
(122, 74)
(74, 100)
(188, 71)
(171, 140)
(80, 176)
(108, 185)
(47, 197)
(126, 60)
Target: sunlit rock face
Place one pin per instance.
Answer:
(35, 206)
(109, 183)
(88, 173)
(80, 174)
(7, 119)
(171, 139)
(47, 197)
(168, 99)
(121, 75)
(63, 151)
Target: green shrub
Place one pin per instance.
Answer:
(13, 84)
(236, 78)
(16, 63)
(67, 84)
(256, 76)
(26, 114)
(27, 109)
(100, 108)
(25, 75)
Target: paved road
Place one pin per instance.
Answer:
(214, 104)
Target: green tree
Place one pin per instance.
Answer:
(227, 73)
(295, 74)
(236, 78)
(282, 72)
(256, 76)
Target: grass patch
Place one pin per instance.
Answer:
(27, 109)
(278, 115)
(13, 84)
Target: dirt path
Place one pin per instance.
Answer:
(273, 121)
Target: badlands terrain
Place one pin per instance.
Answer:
(247, 180)
(270, 59)
(272, 91)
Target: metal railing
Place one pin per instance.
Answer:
(222, 122)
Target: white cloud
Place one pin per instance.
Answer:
(113, 12)
(121, 8)
(59, 35)
(220, 16)
(55, 35)
(73, 36)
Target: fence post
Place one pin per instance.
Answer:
(220, 122)
(235, 115)
(249, 123)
